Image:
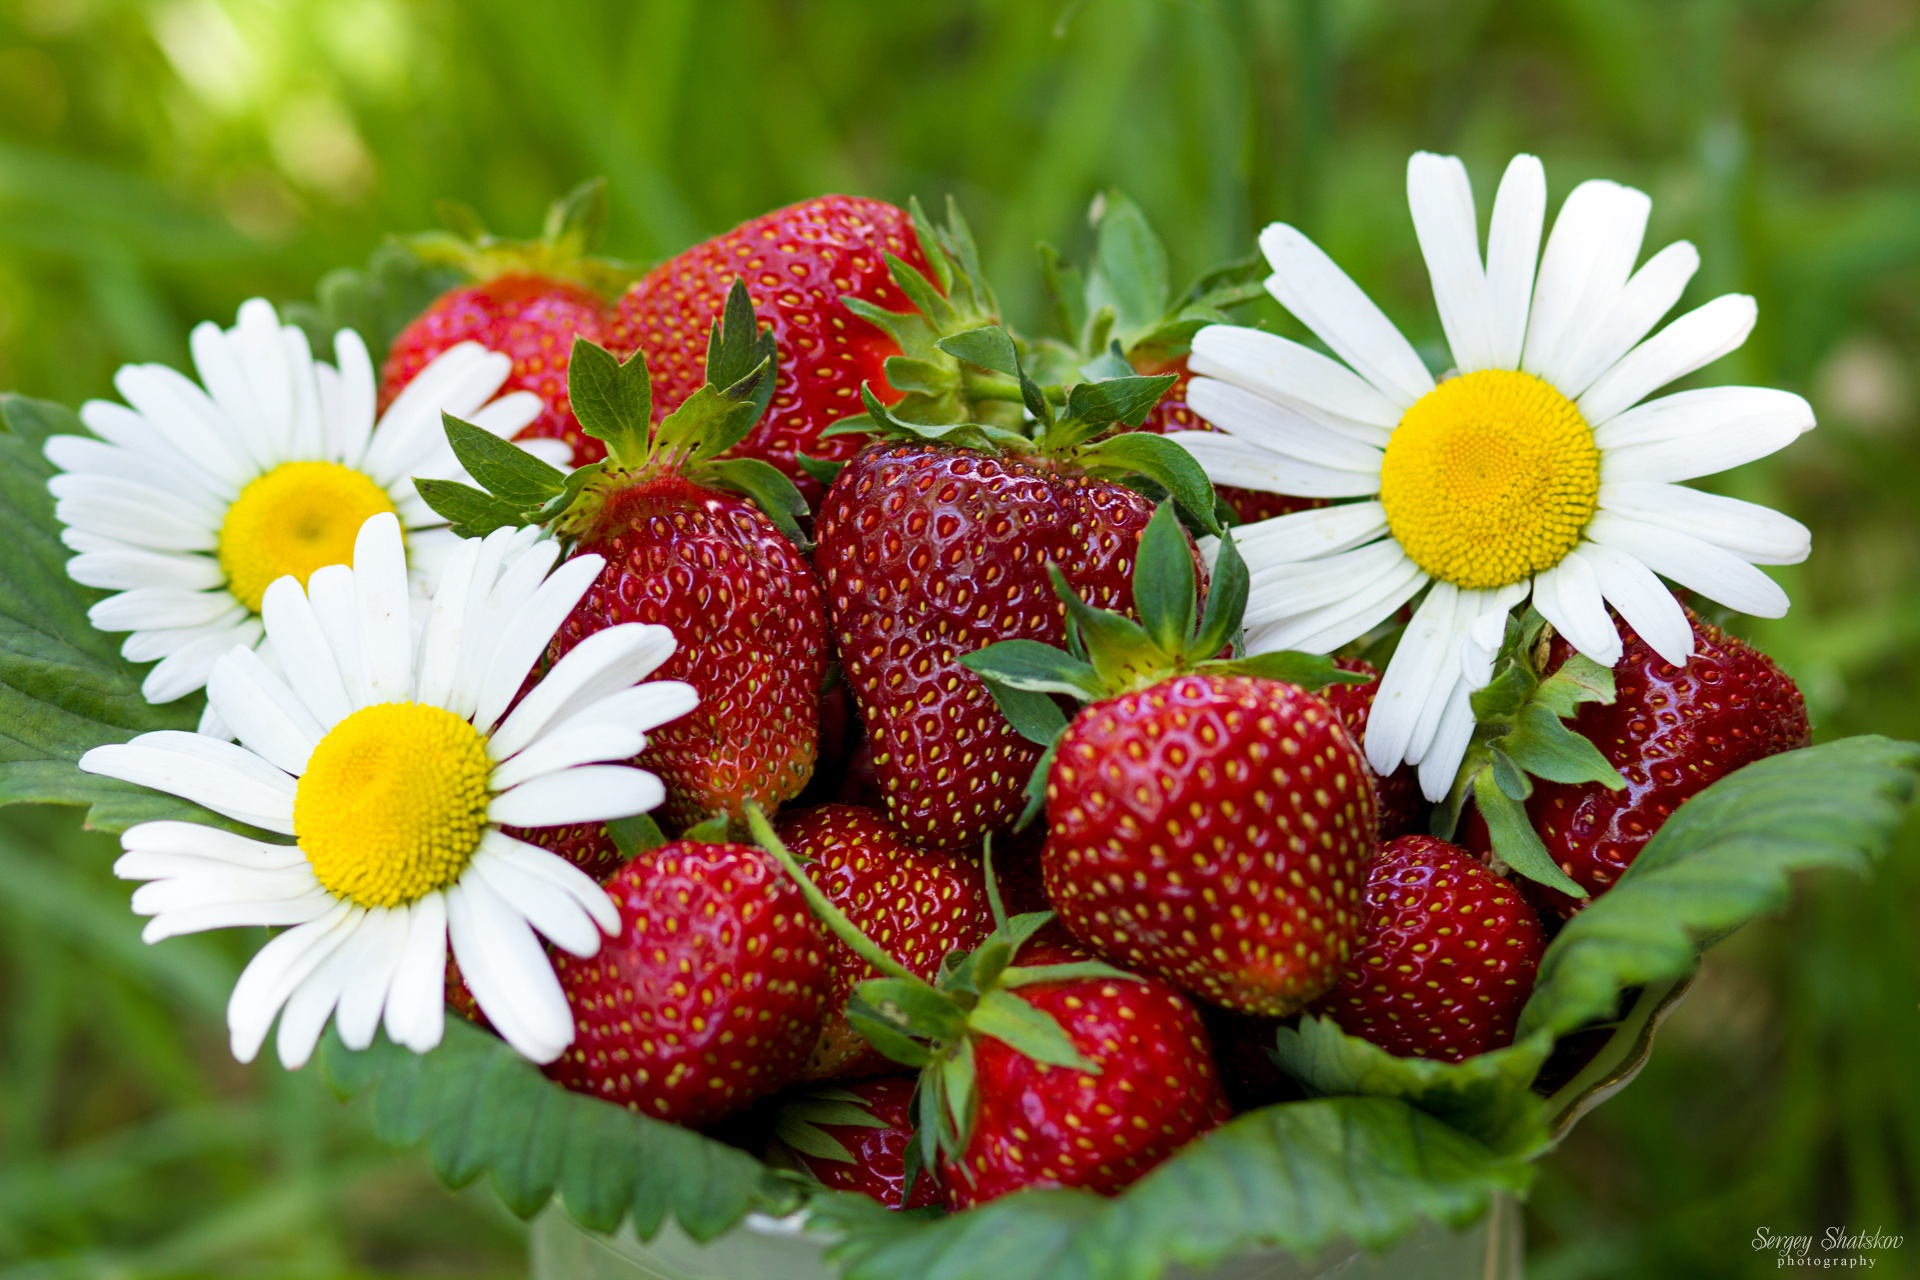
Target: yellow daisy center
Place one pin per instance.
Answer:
(296, 518)
(393, 803)
(1490, 478)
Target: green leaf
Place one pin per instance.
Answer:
(1130, 265)
(1515, 842)
(376, 301)
(501, 467)
(1031, 665)
(1227, 588)
(636, 834)
(473, 513)
(1311, 671)
(768, 487)
(1162, 461)
(558, 505)
(64, 688)
(481, 1109)
(1114, 642)
(1486, 1097)
(613, 401)
(742, 354)
(1066, 291)
(1723, 858)
(1545, 747)
(990, 346)
(1163, 581)
(1579, 679)
(1027, 1030)
(1128, 400)
(1034, 716)
(823, 471)
(1303, 1177)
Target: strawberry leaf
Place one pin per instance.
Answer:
(612, 400)
(376, 301)
(1515, 842)
(501, 467)
(768, 487)
(1162, 461)
(472, 513)
(479, 1108)
(1032, 666)
(1129, 271)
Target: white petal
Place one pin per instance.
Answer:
(1308, 283)
(1291, 588)
(1697, 338)
(556, 872)
(555, 453)
(335, 606)
(126, 570)
(1440, 196)
(84, 456)
(556, 914)
(218, 883)
(567, 749)
(268, 912)
(382, 944)
(415, 1014)
(510, 413)
(1287, 372)
(1649, 295)
(383, 606)
(1441, 764)
(156, 608)
(114, 516)
(312, 671)
(141, 864)
(1279, 429)
(209, 842)
(225, 778)
(178, 505)
(145, 646)
(510, 976)
(186, 667)
(644, 706)
(1422, 666)
(1642, 600)
(1590, 252)
(1229, 460)
(262, 712)
(591, 793)
(358, 969)
(1513, 250)
(1325, 629)
(526, 635)
(1310, 535)
(1700, 566)
(259, 351)
(307, 432)
(605, 662)
(457, 382)
(1700, 433)
(276, 971)
(127, 429)
(1568, 595)
(1757, 534)
(181, 412)
(511, 567)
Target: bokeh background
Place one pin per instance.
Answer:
(160, 162)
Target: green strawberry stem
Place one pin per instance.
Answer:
(834, 918)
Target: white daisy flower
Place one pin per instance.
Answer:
(1538, 469)
(198, 496)
(390, 756)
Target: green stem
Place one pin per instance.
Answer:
(834, 918)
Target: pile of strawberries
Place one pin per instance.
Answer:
(988, 860)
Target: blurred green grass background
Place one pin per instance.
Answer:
(160, 162)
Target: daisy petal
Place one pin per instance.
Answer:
(1569, 596)
(526, 635)
(383, 607)
(605, 662)
(1326, 629)
(1589, 254)
(382, 944)
(644, 706)
(510, 976)
(1441, 764)
(568, 748)
(351, 411)
(1307, 282)
(591, 793)
(276, 972)
(1229, 460)
(1649, 295)
(1642, 601)
(1308, 535)
(221, 884)
(227, 779)
(1700, 433)
(262, 712)
(1757, 534)
(209, 842)
(1290, 588)
(1513, 250)
(126, 570)
(559, 873)
(1440, 196)
(1697, 338)
(415, 1013)
(151, 608)
(1699, 566)
(186, 668)
(555, 914)
(1278, 429)
(297, 636)
(1288, 373)
(267, 912)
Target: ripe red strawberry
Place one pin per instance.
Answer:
(867, 1126)
(526, 300)
(702, 545)
(1173, 414)
(1447, 957)
(586, 845)
(797, 264)
(1213, 830)
(928, 553)
(1671, 732)
(919, 906)
(1401, 805)
(1035, 1124)
(710, 995)
(1206, 822)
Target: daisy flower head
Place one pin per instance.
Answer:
(190, 499)
(1537, 469)
(393, 755)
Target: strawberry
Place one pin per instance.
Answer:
(702, 545)
(1447, 955)
(710, 995)
(920, 906)
(1670, 732)
(526, 300)
(927, 553)
(798, 264)
(855, 1138)
(1401, 805)
(1144, 1087)
(1206, 822)
(1039, 1067)
(587, 845)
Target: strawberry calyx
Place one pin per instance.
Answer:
(932, 1027)
(797, 1124)
(1110, 654)
(574, 226)
(1520, 733)
(613, 400)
